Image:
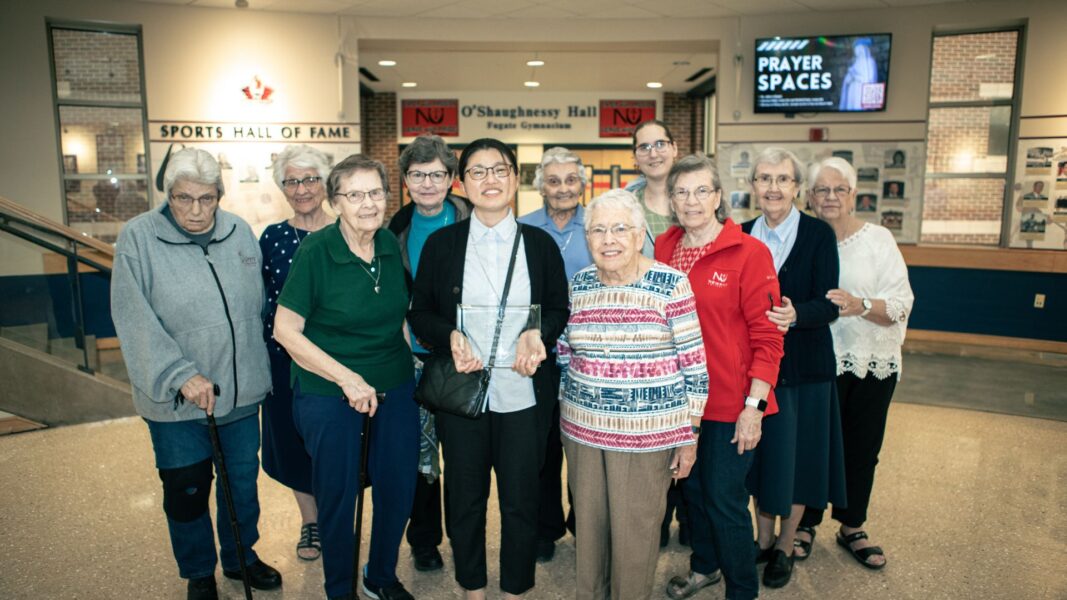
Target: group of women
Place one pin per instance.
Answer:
(675, 349)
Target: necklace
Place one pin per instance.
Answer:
(377, 276)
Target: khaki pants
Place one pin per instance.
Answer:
(619, 501)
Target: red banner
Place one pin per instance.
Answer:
(619, 117)
(438, 117)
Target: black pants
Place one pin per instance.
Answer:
(551, 524)
(424, 528)
(511, 445)
(864, 411)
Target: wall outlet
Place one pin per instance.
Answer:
(1039, 301)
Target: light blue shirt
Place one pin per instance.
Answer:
(570, 239)
(780, 240)
(485, 269)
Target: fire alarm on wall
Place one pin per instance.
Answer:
(819, 134)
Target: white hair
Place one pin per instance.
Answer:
(300, 156)
(836, 163)
(194, 165)
(559, 155)
(619, 199)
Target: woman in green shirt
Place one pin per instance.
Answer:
(341, 318)
(654, 155)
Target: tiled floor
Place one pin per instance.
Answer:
(967, 505)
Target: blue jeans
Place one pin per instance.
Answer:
(332, 430)
(719, 521)
(183, 443)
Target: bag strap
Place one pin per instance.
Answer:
(504, 295)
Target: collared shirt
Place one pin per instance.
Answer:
(485, 269)
(780, 239)
(570, 239)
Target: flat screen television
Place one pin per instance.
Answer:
(841, 73)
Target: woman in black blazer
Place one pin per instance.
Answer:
(467, 262)
(800, 459)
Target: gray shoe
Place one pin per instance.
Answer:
(679, 588)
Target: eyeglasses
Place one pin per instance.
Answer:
(702, 193)
(822, 193)
(185, 200)
(617, 230)
(644, 149)
(556, 182)
(358, 196)
(765, 181)
(310, 182)
(417, 177)
(479, 173)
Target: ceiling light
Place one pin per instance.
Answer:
(387, 63)
(241, 3)
(532, 83)
(409, 84)
(535, 63)
(654, 84)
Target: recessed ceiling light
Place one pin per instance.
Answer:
(409, 84)
(532, 83)
(654, 84)
(535, 63)
(387, 63)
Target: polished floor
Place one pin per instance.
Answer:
(968, 504)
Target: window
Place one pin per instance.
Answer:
(969, 133)
(100, 115)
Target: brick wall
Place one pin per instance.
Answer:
(97, 66)
(685, 117)
(962, 63)
(378, 129)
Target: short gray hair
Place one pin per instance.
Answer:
(620, 199)
(562, 156)
(195, 165)
(695, 163)
(777, 156)
(426, 149)
(836, 163)
(300, 156)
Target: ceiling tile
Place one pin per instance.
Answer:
(842, 4)
(686, 9)
(762, 7)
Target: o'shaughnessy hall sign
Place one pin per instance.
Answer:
(197, 131)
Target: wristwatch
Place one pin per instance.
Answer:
(696, 430)
(867, 306)
(756, 403)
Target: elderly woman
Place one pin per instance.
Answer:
(187, 324)
(799, 461)
(341, 317)
(654, 154)
(300, 173)
(738, 285)
(428, 166)
(561, 179)
(874, 300)
(633, 392)
(468, 263)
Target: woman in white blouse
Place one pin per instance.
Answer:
(875, 300)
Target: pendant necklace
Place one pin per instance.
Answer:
(375, 277)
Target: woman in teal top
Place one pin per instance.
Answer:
(341, 318)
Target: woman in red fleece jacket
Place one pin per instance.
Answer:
(735, 284)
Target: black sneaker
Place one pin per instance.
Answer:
(779, 570)
(546, 549)
(394, 591)
(427, 558)
(202, 588)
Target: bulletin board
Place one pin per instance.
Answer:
(889, 189)
(1039, 196)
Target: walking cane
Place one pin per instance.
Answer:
(365, 444)
(224, 479)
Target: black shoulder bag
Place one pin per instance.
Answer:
(442, 388)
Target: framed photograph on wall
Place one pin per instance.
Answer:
(70, 167)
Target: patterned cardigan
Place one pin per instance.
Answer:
(634, 370)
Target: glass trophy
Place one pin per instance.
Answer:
(478, 323)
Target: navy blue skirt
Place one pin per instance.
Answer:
(800, 458)
(284, 456)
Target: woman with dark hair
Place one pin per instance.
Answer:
(468, 262)
(654, 154)
(341, 318)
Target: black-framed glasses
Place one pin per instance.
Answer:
(358, 196)
(417, 177)
(310, 182)
(616, 230)
(185, 200)
(702, 193)
(822, 192)
(645, 149)
(765, 181)
(501, 171)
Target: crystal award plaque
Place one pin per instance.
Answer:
(478, 323)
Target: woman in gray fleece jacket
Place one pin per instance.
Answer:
(186, 298)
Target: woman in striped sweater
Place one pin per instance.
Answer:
(633, 392)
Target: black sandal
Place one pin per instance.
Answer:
(309, 540)
(861, 555)
(804, 547)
